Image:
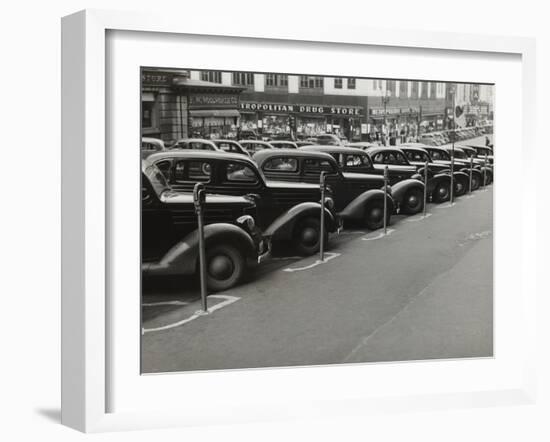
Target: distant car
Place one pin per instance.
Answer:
(253, 146)
(170, 239)
(462, 158)
(280, 144)
(301, 143)
(195, 144)
(407, 191)
(362, 145)
(286, 212)
(439, 175)
(328, 139)
(441, 155)
(484, 150)
(231, 146)
(357, 197)
(248, 134)
(151, 145)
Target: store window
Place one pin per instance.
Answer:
(211, 76)
(309, 82)
(337, 83)
(243, 78)
(276, 80)
(148, 110)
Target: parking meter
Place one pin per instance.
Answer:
(386, 180)
(322, 184)
(471, 171)
(199, 198)
(425, 187)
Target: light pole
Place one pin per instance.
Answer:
(385, 100)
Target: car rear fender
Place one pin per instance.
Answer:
(355, 210)
(282, 227)
(400, 189)
(182, 258)
(463, 176)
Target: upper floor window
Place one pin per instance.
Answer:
(276, 80)
(211, 76)
(423, 89)
(433, 90)
(391, 86)
(440, 90)
(403, 88)
(351, 83)
(337, 83)
(414, 89)
(243, 78)
(377, 85)
(311, 82)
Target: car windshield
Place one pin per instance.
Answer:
(460, 154)
(157, 179)
(440, 155)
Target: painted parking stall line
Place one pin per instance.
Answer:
(413, 219)
(328, 256)
(446, 206)
(227, 300)
(375, 235)
(162, 303)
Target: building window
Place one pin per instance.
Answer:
(311, 82)
(391, 86)
(423, 89)
(433, 90)
(276, 80)
(440, 90)
(211, 76)
(148, 111)
(351, 83)
(414, 89)
(377, 85)
(243, 78)
(337, 83)
(403, 88)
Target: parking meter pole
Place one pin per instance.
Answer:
(425, 188)
(322, 229)
(485, 171)
(471, 171)
(385, 200)
(198, 200)
(451, 199)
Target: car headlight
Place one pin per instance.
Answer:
(246, 221)
(329, 203)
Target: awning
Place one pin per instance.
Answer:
(215, 113)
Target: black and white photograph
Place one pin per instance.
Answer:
(299, 219)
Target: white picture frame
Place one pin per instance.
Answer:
(85, 260)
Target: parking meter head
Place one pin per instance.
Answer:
(199, 195)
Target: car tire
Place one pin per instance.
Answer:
(475, 182)
(413, 201)
(225, 266)
(306, 236)
(373, 218)
(461, 187)
(441, 192)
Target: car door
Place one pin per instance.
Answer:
(398, 166)
(311, 173)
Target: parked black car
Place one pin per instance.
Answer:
(253, 146)
(461, 168)
(439, 175)
(286, 211)
(170, 237)
(407, 189)
(357, 197)
(231, 146)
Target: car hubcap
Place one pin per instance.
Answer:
(443, 191)
(309, 236)
(220, 267)
(376, 214)
(413, 201)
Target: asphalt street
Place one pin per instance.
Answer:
(424, 291)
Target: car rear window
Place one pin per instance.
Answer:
(197, 171)
(281, 165)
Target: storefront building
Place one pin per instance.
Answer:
(173, 106)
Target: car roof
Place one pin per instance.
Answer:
(375, 150)
(450, 148)
(333, 149)
(263, 155)
(361, 144)
(194, 140)
(197, 154)
(417, 147)
(254, 141)
(225, 141)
